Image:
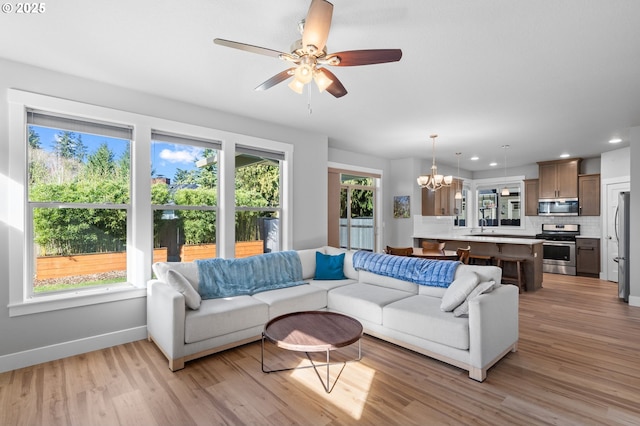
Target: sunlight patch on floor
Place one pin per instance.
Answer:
(350, 392)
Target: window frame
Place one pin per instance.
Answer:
(139, 226)
(498, 184)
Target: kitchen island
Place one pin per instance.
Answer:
(497, 245)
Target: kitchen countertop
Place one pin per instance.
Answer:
(587, 236)
(486, 238)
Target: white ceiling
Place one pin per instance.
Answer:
(546, 77)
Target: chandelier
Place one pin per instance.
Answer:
(434, 181)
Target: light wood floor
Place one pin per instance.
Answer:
(578, 363)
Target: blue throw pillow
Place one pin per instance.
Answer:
(329, 267)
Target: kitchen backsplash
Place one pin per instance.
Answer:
(589, 225)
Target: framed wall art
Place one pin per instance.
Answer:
(401, 207)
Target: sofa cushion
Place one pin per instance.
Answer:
(349, 270)
(458, 291)
(308, 261)
(363, 301)
(382, 281)
(329, 267)
(292, 299)
(179, 283)
(188, 269)
(217, 317)
(421, 316)
(329, 284)
(427, 290)
(483, 287)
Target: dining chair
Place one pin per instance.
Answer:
(463, 254)
(428, 246)
(399, 251)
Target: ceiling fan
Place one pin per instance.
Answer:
(310, 54)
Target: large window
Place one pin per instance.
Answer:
(78, 202)
(498, 210)
(98, 194)
(258, 178)
(184, 194)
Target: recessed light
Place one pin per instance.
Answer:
(475, 158)
(615, 140)
(564, 155)
(493, 164)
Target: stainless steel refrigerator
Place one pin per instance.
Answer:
(623, 219)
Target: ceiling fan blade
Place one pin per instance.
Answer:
(365, 57)
(248, 47)
(317, 24)
(278, 78)
(336, 88)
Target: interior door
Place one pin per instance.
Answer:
(611, 243)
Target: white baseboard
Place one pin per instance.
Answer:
(634, 301)
(74, 347)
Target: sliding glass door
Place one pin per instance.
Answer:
(357, 218)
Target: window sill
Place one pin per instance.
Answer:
(47, 303)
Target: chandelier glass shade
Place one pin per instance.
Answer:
(434, 181)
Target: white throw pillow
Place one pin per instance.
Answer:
(458, 291)
(179, 283)
(483, 287)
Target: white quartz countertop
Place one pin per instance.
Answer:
(588, 236)
(487, 238)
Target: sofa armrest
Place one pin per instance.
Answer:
(165, 318)
(493, 326)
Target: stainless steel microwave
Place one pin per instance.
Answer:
(558, 207)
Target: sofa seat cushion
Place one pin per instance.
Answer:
(331, 284)
(421, 316)
(300, 298)
(217, 317)
(363, 301)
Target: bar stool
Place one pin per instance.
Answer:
(475, 258)
(519, 265)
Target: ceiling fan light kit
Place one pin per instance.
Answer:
(309, 54)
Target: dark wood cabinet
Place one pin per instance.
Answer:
(588, 257)
(589, 194)
(441, 202)
(559, 178)
(531, 197)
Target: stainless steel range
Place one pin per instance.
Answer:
(559, 248)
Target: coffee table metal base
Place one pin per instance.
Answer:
(325, 383)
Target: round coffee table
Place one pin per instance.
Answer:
(313, 331)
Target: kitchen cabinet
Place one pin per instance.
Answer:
(531, 197)
(441, 202)
(559, 178)
(588, 257)
(589, 195)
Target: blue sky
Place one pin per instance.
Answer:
(166, 158)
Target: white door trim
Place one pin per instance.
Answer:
(604, 208)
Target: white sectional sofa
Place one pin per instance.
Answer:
(391, 309)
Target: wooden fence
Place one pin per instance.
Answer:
(63, 266)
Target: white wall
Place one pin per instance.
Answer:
(55, 334)
(403, 182)
(615, 163)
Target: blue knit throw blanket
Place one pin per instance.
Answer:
(435, 273)
(249, 275)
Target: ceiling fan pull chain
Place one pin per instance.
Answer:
(309, 99)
